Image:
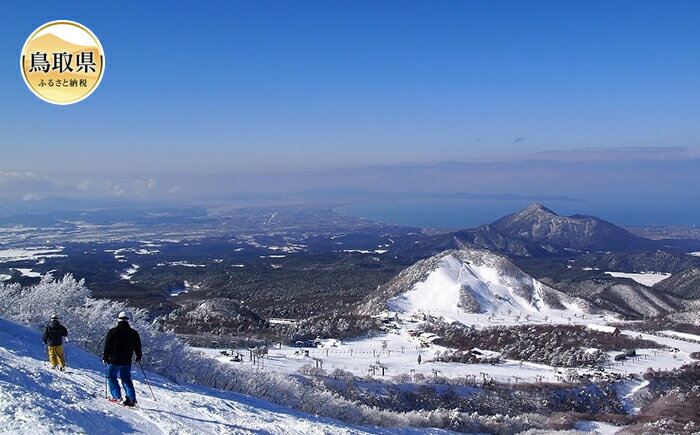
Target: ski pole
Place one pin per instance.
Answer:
(146, 379)
(105, 380)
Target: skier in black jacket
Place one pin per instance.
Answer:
(53, 339)
(120, 344)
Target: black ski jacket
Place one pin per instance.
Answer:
(121, 343)
(54, 333)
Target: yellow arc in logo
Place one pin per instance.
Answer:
(62, 62)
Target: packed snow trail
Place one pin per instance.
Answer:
(35, 399)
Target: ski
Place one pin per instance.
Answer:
(121, 403)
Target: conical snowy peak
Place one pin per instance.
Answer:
(536, 208)
(538, 224)
(472, 281)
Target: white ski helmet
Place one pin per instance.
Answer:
(123, 316)
(55, 317)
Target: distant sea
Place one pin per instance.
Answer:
(469, 213)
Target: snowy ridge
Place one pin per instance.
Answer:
(34, 399)
(463, 283)
(647, 279)
(444, 290)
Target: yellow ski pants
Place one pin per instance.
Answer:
(56, 356)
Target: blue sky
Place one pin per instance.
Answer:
(265, 88)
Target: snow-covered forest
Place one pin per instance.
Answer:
(440, 405)
(88, 320)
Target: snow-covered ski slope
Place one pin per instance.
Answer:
(497, 293)
(469, 284)
(35, 399)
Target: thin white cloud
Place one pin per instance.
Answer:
(32, 197)
(142, 187)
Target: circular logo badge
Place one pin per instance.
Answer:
(62, 62)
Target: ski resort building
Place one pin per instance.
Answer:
(604, 328)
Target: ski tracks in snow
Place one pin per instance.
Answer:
(35, 399)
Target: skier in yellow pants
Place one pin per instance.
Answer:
(53, 338)
(56, 357)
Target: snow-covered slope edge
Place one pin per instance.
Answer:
(459, 282)
(37, 399)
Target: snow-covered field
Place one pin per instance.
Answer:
(120, 254)
(291, 248)
(181, 263)
(32, 253)
(34, 399)
(187, 287)
(128, 273)
(364, 251)
(39, 254)
(648, 279)
(29, 273)
(288, 248)
(681, 335)
(398, 354)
